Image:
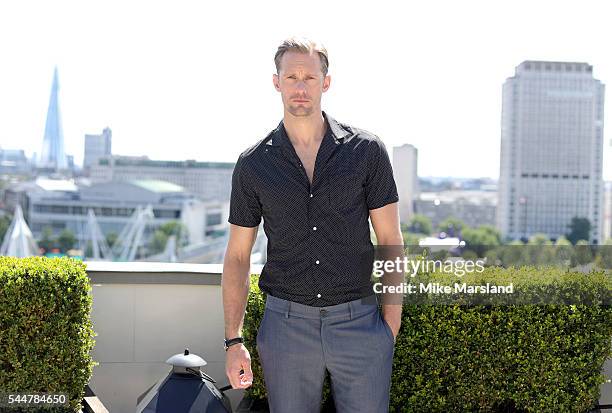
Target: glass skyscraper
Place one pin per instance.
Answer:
(53, 155)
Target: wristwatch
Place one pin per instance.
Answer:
(227, 343)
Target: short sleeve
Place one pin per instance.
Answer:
(380, 184)
(245, 209)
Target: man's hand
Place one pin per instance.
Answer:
(390, 245)
(392, 313)
(238, 366)
(395, 323)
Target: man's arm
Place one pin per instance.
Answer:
(235, 290)
(385, 221)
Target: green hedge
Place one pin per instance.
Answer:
(495, 358)
(46, 334)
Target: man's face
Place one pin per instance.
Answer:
(301, 83)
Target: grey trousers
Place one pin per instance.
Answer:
(297, 343)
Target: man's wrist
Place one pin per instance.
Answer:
(228, 342)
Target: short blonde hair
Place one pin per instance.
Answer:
(302, 45)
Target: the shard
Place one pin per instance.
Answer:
(52, 155)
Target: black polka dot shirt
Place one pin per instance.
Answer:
(319, 249)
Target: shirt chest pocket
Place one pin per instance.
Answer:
(345, 190)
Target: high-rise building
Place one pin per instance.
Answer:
(551, 150)
(97, 146)
(607, 207)
(53, 155)
(406, 179)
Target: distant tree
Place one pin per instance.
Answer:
(563, 251)
(5, 223)
(480, 240)
(582, 253)
(163, 232)
(411, 240)
(111, 237)
(66, 240)
(176, 228)
(420, 224)
(579, 230)
(158, 242)
(513, 254)
(562, 241)
(46, 241)
(492, 231)
(539, 239)
(540, 250)
(451, 226)
(604, 257)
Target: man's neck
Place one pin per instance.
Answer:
(304, 130)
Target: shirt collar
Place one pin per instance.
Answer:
(338, 133)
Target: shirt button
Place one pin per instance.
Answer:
(314, 228)
(318, 295)
(311, 195)
(317, 261)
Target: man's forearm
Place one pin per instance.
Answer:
(235, 288)
(392, 250)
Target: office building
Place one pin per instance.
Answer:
(406, 179)
(551, 150)
(96, 147)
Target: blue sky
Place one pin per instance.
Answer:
(192, 80)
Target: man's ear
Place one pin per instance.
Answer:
(275, 80)
(326, 82)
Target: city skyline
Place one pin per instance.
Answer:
(152, 80)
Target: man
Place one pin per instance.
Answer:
(315, 182)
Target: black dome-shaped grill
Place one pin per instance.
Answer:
(186, 389)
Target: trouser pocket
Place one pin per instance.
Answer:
(386, 326)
